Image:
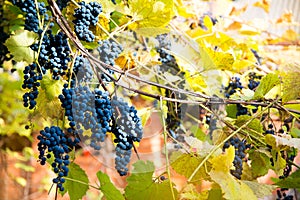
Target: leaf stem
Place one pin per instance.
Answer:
(166, 148)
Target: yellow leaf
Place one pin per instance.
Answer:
(241, 64)
(290, 35)
(249, 30)
(196, 82)
(286, 17)
(207, 22)
(264, 4)
(237, 11)
(232, 188)
(151, 31)
(150, 13)
(234, 26)
(125, 61)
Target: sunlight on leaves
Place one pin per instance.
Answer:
(107, 187)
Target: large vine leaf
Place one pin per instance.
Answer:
(232, 188)
(266, 84)
(19, 45)
(254, 126)
(107, 187)
(150, 13)
(260, 163)
(260, 190)
(77, 183)
(185, 164)
(141, 185)
(291, 84)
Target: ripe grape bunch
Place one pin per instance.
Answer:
(53, 140)
(240, 148)
(127, 129)
(86, 16)
(109, 50)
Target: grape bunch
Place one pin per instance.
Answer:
(31, 15)
(109, 50)
(234, 85)
(53, 140)
(83, 70)
(253, 80)
(31, 82)
(240, 148)
(127, 129)
(54, 54)
(86, 16)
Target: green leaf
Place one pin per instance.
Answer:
(287, 141)
(77, 183)
(295, 132)
(150, 13)
(190, 192)
(141, 185)
(260, 190)
(266, 84)
(231, 110)
(19, 45)
(109, 190)
(253, 126)
(260, 163)
(215, 193)
(293, 181)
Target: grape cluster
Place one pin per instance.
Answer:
(127, 129)
(82, 69)
(31, 82)
(240, 148)
(31, 16)
(54, 54)
(212, 18)
(53, 140)
(234, 85)
(86, 16)
(163, 41)
(253, 80)
(109, 50)
(281, 194)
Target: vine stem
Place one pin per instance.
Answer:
(74, 180)
(231, 135)
(166, 149)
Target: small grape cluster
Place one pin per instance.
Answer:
(281, 194)
(127, 129)
(31, 16)
(270, 130)
(54, 140)
(54, 54)
(253, 80)
(86, 16)
(109, 50)
(31, 82)
(234, 85)
(201, 20)
(240, 148)
(163, 41)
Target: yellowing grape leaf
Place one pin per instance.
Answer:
(291, 83)
(287, 140)
(260, 190)
(237, 11)
(266, 84)
(196, 82)
(232, 188)
(181, 9)
(286, 17)
(150, 13)
(221, 60)
(264, 4)
(151, 31)
(101, 28)
(190, 192)
(19, 45)
(260, 163)
(186, 164)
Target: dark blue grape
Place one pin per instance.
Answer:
(53, 140)
(86, 16)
